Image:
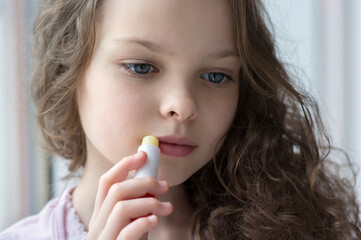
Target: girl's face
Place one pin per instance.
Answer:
(160, 68)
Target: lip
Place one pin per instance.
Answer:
(177, 140)
(176, 146)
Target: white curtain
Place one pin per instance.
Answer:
(321, 40)
(23, 171)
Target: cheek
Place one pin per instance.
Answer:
(220, 118)
(112, 99)
(112, 113)
(123, 116)
(126, 107)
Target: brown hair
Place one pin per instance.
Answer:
(64, 37)
(271, 179)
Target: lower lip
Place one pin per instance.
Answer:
(175, 150)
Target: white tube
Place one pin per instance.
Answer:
(150, 168)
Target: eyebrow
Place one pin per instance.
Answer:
(160, 50)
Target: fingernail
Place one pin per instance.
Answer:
(163, 184)
(166, 204)
(138, 154)
(152, 218)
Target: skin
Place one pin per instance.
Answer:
(177, 96)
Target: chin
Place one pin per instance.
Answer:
(172, 178)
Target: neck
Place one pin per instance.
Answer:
(177, 225)
(85, 193)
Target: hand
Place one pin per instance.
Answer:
(119, 200)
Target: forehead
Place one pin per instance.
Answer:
(177, 25)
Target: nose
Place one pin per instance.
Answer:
(178, 103)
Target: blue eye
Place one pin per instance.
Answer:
(216, 77)
(138, 68)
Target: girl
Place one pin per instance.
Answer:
(244, 155)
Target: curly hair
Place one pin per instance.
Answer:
(272, 177)
(64, 37)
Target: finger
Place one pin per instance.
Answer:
(139, 228)
(129, 189)
(116, 174)
(124, 211)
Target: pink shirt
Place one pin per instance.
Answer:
(57, 220)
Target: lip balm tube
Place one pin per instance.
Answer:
(150, 145)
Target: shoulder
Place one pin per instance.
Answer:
(48, 224)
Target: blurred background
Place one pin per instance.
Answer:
(319, 40)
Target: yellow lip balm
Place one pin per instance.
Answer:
(150, 145)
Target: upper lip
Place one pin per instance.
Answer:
(177, 140)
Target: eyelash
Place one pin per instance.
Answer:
(128, 66)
